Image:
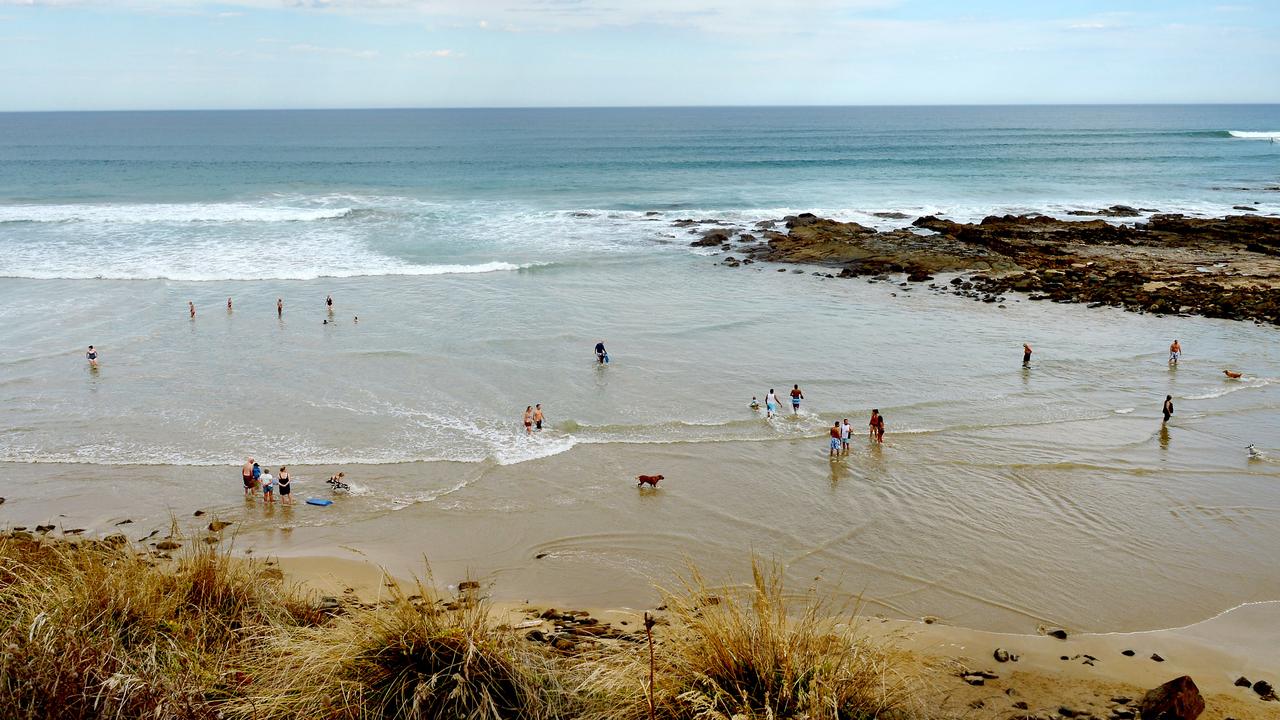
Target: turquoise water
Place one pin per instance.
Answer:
(485, 252)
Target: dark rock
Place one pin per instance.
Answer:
(126, 521)
(1068, 712)
(1178, 699)
(1264, 690)
(1156, 657)
(168, 545)
(541, 555)
(1243, 682)
(652, 213)
(536, 636)
(891, 215)
(1057, 633)
(1122, 713)
(197, 513)
(1128, 653)
(1020, 705)
(44, 528)
(711, 238)
(218, 525)
(1001, 655)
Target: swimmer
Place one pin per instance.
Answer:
(835, 439)
(1168, 407)
(528, 420)
(228, 304)
(328, 301)
(796, 397)
(755, 404)
(192, 308)
(537, 416)
(279, 307)
(1175, 352)
(1026, 355)
(92, 356)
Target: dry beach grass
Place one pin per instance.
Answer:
(93, 629)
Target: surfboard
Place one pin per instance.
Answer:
(319, 501)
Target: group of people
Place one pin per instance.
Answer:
(328, 301)
(841, 432)
(532, 418)
(772, 406)
(255, 477)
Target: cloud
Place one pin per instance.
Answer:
(431, 54)
(308, 49)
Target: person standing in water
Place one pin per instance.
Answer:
(328, 301)
(282, 479)
(1168, 407)
(268, 487)
(537, 416)
(602, 355)
(835, 439)
(246, 473)
(1026, 355)
(92, 357)
(279, 307)
(191, 307)
(528, 420)
(770, 404)
(228, 304)
(875, 428)
(1175, 352)
(796, 397)
(845, 431)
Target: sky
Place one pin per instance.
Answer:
(189, 54)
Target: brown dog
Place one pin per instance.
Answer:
(1232, 375)
(650, 480)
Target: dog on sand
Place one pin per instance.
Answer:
(650, 480)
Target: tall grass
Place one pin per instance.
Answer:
(96, 630)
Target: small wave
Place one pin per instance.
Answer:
(1252, 135)
(1124, 411)
(388, 269)
(168, 213)
(1231, 387)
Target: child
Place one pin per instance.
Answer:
(755, 404)
(268, 484)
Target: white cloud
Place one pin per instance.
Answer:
(308, 49)
(432, 54)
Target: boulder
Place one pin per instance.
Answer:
(1178, 699)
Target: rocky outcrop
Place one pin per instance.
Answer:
(1171, 264)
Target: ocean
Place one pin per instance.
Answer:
(485, 252)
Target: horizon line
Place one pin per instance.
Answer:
(633, 107)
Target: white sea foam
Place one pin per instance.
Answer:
(133, 214)
(1232, 387)
(1253, 135)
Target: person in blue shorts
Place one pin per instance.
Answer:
(770, 404)
(835, 438)
(796, 397)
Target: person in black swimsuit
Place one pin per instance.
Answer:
(1168, 407)
(92, 355)
(282, 481)
(602, 355)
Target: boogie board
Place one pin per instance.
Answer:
(319, 501)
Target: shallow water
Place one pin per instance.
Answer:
(1003, 497)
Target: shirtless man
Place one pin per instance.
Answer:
(1026, 355)
(796, 397)
(1175, 352)
(835, 439)
(528, 420)
(537, 416)
(279, 307)
(92, 355)
(192, 308)
(246, 474)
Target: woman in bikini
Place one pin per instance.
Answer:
(528, 420)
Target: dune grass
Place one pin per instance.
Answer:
(91, 629)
